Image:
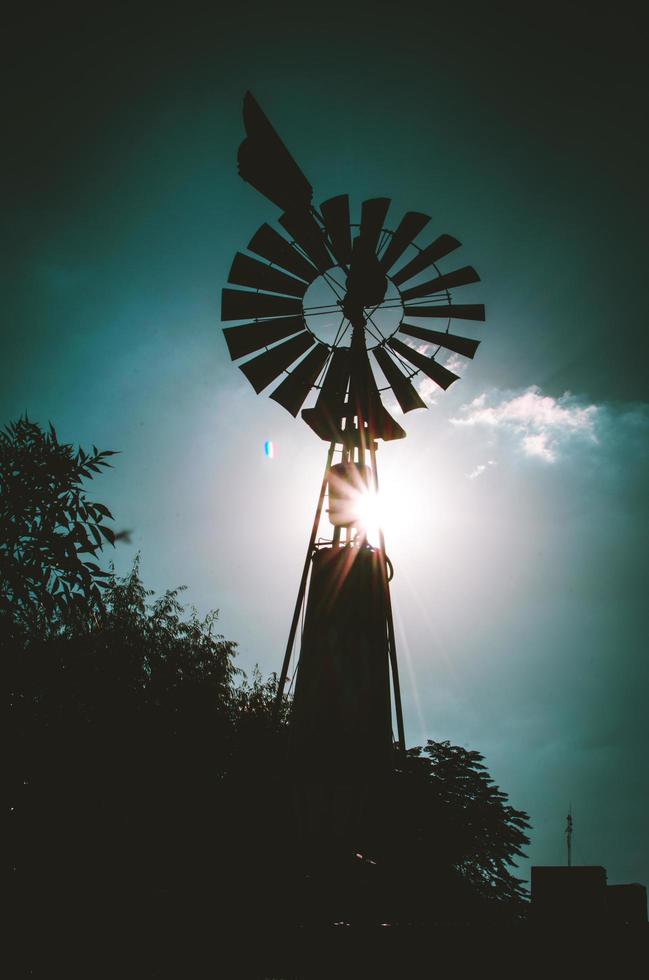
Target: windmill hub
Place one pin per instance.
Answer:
(367, 282)
(325, 319)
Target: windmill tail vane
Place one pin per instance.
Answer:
(335, 313)
(265, 162)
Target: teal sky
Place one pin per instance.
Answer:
(520, 547)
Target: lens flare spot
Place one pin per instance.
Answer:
(269, 449)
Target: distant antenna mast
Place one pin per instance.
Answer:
(569, 836)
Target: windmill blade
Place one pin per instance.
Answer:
(379, 419)
(270, 245)
(410, 226)
(335, 214)
(460, 277)
(237, 304)
(248, 272)
(250, 337)
(294, 389)
(449, 341)
(373, 214)
(405, 392)
(471, 311)
(325, 418)
(304, 230)
(439, 374)
(334, 386)
(428, 256)
(265, 162)
(364, 399)
(264, 368)
(388, 428)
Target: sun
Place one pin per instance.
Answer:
(354, 503)
(370, 517)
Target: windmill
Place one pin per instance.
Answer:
(336, 315)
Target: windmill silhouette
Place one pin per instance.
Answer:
(325, 304)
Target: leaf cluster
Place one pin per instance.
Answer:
(478, 833)
(122, 734)
(50, 531)
(154, 662)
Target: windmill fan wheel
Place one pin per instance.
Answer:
(302, 297)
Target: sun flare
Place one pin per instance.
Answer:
(370, 516)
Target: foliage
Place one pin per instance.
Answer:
(150, 741)
(488, 833)
(456, 827)
(260, 728)
(49, 530)
(122, 735)
(144, 763)
(433, 844)
(141, 656)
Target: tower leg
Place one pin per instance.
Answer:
(302, 589)
(398, 710)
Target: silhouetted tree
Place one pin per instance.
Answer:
(447, 838)
(436, 841)
(49, 530)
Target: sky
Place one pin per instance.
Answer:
(516, 508)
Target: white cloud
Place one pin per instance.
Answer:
(426, 387)
(539, 445)
(392, 406)
(480, 469)
(540, 422)
(455, 363)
